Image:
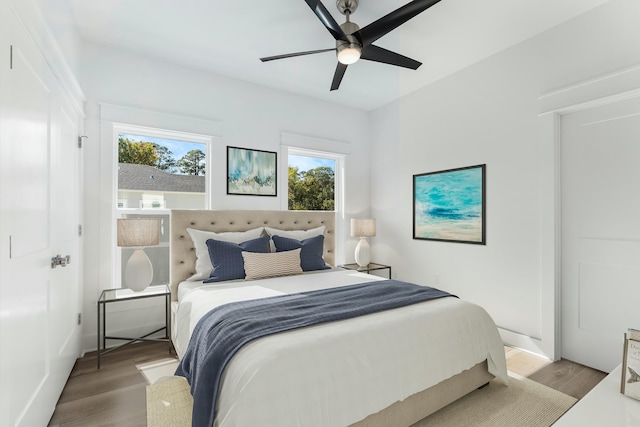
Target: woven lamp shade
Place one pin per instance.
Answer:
(138, 232)
(363, 227)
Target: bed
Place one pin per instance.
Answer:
(388, 368)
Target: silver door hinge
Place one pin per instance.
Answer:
(80, 140)
(11, 57)
(79, 318)
(80, 230)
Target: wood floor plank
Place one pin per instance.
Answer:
(568, 377)
(99, 406)
(524, 363)
(96, 384)
(114, 395)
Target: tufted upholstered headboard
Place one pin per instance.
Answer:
(183, 254)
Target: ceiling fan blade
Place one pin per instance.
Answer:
(337, 76)
(393, 20)
(379, 54)
(291, 55)
(327, 20)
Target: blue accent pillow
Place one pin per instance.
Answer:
(226, 257)
(310, 254)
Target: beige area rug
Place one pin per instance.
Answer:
(524, 403)
(169, 403)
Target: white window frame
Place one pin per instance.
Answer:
(314, 146)
(119, 128)
(338, 173)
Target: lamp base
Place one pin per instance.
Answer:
(138, 272)
(363, 253)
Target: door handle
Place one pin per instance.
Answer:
(60, 261)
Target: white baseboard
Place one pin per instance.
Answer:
(523, 342)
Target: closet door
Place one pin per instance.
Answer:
(600, 232)
(64, 194)
(39, 200)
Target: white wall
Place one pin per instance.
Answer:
(488, 113)
(239, 113)
(59, 18)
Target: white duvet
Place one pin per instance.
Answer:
(338, 373)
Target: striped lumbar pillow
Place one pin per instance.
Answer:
(261, 265)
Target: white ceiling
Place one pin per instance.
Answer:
(228, 37)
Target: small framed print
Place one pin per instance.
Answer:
(630, 382)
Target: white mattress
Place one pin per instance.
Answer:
(338, 373)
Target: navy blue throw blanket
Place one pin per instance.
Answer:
(224, 330)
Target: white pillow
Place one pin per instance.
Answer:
(261, 265)
(293, 234)
(200, 237)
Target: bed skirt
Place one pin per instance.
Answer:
(422, 404)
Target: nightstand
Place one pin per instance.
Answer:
(109, 296)
(367, 268)
(604, 405)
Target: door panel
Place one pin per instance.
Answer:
(600, 232)
(63, 310)
(39, 164)
(28, 137)
(27, 123)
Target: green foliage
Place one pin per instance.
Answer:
(311, 190)
(166, 162)
(141, 153)
(159, 156)
(192, 163)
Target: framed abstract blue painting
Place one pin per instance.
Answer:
(252, 172)
(449, 205)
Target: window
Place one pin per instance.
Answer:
(312, 180)
(157, 171)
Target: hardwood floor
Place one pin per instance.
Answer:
(568, 377)
(111, 396)
(115, 394)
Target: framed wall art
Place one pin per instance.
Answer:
(252, 172)
(449, 205)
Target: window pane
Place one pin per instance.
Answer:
(158, 173)
(311, 183)
(154, 175)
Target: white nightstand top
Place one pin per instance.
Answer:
(604, 406)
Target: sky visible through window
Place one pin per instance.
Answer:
(304, 163)
(178, 148)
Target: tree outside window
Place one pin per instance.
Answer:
(311, 183)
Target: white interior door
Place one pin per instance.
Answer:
(39, 197)
(600, 232)
(63, 309)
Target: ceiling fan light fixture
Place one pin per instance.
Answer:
(349, 54)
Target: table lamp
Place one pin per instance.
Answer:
(138, 233)
(363, 228)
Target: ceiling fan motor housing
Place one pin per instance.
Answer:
(347, 6)
(351, 42)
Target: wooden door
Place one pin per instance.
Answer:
(600, 232)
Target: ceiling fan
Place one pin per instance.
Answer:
(354, 43)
